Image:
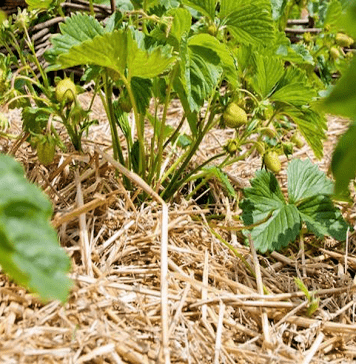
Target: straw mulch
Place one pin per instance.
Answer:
(153, 284)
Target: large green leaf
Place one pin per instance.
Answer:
(278, 7)
(200, 70)
(281, 229)
(343, 164)
(108, 50)
(205, 7)
(149, 64)
(268, 71)
(264, 200)
(305, 180)
(182, 20)
(322, 218)
(29, 250)
(142, 90)
(227, 61)
(229, 6)
(349, 19)
(39, 4)
(278, 223)
(311, 124)
(75, 30)
(116, 50)
(263, 197)
(251, 24)
(342, 100)
(333, 15)
(297, 94)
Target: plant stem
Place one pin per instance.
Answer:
(139, 120)
(173, 185)
(91, 7)
(158, 160)
(111, 117)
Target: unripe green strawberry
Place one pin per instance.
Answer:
(125, 104)
(297, 140)
(343, 40)
(272, 161)
(212, 30)
(231, 146)
(234, 116)
(46, 148)
(334, 53)
(66, 91)
(260, 147)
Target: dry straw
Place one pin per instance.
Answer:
(154, 285)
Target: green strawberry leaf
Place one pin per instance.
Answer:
(276, 233)
(265, 201)
(142, 90)
(342, 100)
(182, 21)
(75, 30)
(205, 7)
(322, 218)
(278, 223)
(262, 197)
(343, 164)
(222, 177)
(268, 71)
(38, 4)
(306, 180)
(29, 250)
(311, 124)
(333, 15)
(117, 50)
(251, 24)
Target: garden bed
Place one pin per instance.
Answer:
(215, 312)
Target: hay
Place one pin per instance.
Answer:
(140, 298)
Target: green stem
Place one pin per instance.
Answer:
(91, 7)
(158, 161)
(139, 125)
(32, 49)
(111, 117)
(174, 183)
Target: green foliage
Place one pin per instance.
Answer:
(30, 252)
(278, 221)
(342, 101)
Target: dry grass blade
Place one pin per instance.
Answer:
(164, 248)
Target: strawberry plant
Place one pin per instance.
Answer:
(29, 249)
(278, 221)
(172, 56)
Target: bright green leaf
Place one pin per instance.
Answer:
(29, 250)
(311, 124)
(297, 94)
(251, 24)
(343, 164)
(205, 7)
(278, 223)
(322, 218)
(268, 71)
(182, 21)
(342, 100)
(305, 180)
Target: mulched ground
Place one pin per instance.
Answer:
(209, 307)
